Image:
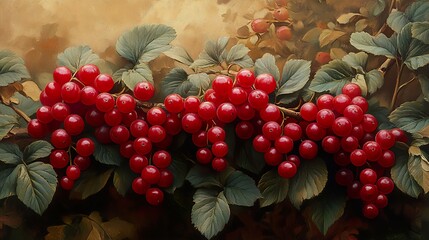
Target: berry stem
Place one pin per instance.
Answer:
(398, 81)
(225, 72)
(290, 113)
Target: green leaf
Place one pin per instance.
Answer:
(414, 52)
(107, 153)
(7, 122)
(36, 185)
(418, 11)
(139, 73)
(332, 77)
(201, 176)
(36, 150)
(411, 116)
(326, 209)
(238, 55)
(213, 54)
(178, 81)
(296, 74)
(374, 80)
(9, 178)
(10, 153)
(210, 212)
(123, 178)
(241, 190)
(420, 31)
(75, 57)
(379, 45)
(418, 167)
(273, 188)
(89, 183)
(356, 60)
(200, 80)
(179, 168)
(249, 159)
(397, 20)
(267, 64)
(359, 79)
(380, 113)
(145, 43)
(309, 181)
(179, 54)
(12, 68)
(27, 105)
(424, 84)
(402, 177)
(376, 7)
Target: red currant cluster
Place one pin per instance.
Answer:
(281, 16)
(344, 129)
(70, 103)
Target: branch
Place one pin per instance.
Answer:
(290, 113)
(386, 65)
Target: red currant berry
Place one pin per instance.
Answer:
(381, 201)
(60, 139)
(66, 183)
(44, 114)
(325, 118)
(281, 14)
(74, 124)
(200, 138)
(82, 162)
(309, 111)
(150, 174)
(85, 147)
(286, 169)
(219, 164)
(293, 131)
(284, 33)
(161, 159)
(139, 186)
(266, 83)
(385, 185)
(191, 104)
(222, 85)
(361, 102)
(207, 111)
(368, 176)
(226, 112)
(385, 138)
(261, 143)
(368, 192)
(139, 128)
(36, 129)
(204, 156)
(352, 90)
(154, 196)
(119, 134)
(369, 123)
(358, 157)
(62, 75)
(73, 172)
(315, 132)
(258, 99)
(137, 163)
(59, 159)
(142, 145)
(353, 190)
(270, 113)
(271, 130)
(373, 150)
(341, 102)
(70, 92)
(94, 118)
(244, 130)
(60, 111)
(87, 74)
(308, 149)
(113, 117)
(156, 133)
(103, 83)
(88, 95)
(245, 112)
(331, 144)
(173, 125)
(46, 100)
(125, 103)
(245, 77)
(191, 123)
(144, 91)
(174, 103)
(166, 179)
(294, 159)
(342, 127)
(219, 149)
(387, 159)
(399, 135)
(260, 25)
(344, 177)
(284, 144)
(53, 90)
(370, 211)
(349, 144)
(105, 102)
(237, 96)
(357, 131)
(354, 113)
(156, 116)
(325, 101)
(215, 134)
(273, 157)
(342, 158)
(102, 134)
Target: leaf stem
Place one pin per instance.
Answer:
(20, 113)
(386, 65)
(398, 81)
(383, 27)
(290, 113)
(406, 83)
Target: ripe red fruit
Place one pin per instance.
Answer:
(357, 131)
(293, 131)
(373, 150)
(315, 132)
(323, 57)
(62, 75)
(354, 113)
(60, 111)
(399, 135)
(191, 104)
(73, 172)
(353, 190)
(370, 211)
(139, 186)
(119, 134)
(88, 95)
(258, 99)
(204, 156)
(273, 157)
(161, 159)
(156, 133)
(144, 91)
(167, 178)
(36, 129)
(173, 125)
(103, 83)
(87, 73)
(53, 90)
(156, 116)
(142, 145)
(309, 111)
(352, 90)
(342, 126)
(113, 117)
(102, 134)
(369, 123)
(368, 176)
(261, 143)
(137, 163)
(105, 102)
(286, 169)
(244, 130)
(281, 14)
(266, 83)
(340, 102)
(349, 144)
(219, 164)
(44, 114)
(284, 144)
(245, 78)
(125, 103)
(174, 103)
(385, 185)
(200, 138)
(325, 118)
(325, 101)
(226, 112)
(151, 174)
(331, 144)
(154, 196)
(85, 147)
(191, 123)
(270, 113)
(46, 100)
(70, 92)
(222, 85)
(94, 118)
(260, 25)
(358, 157)
(271, 130)
(237, 96)
(361, 102)
(344, 177)
(284, 33)
(368, 192)
(220, 149)
(74, 124)
(342, 158)
(82, 162)
(295, 159)
(245, 112)
(60, 139)
(215, 134)
(59, 159)
(66, 183)
(381, 201)
(207, 111)
(385, 138)
(308, 149)
(387, 159)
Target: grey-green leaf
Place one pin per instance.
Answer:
(374, 80)
(145, 43)
(36, 185)
(200, 80)
(12, 68)
(402, 177)
(420, 31)
(200, 176)
(424, 84)
(89, 183)
(241, 190)
(210, 212)
(309, 181)
(37, 149)
(273, 188)
(179, 168)
(414, 52)
(123, 178)
(416, 169)
(213, 54)
(332, 77)
(176, 81)
(379, 45)
(7, 122)
(249, 159)
(10, 153)
(179, 54)
(237, 52)
(397, 20)
(139, 73)
(75, 57)
(411, 116)
(418, 11)
(9, 178)
(356, 60)
(326, 209)
(107, 153)
(295, 76)
(267, 64)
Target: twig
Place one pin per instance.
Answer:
(20, 113)
(225, 72)
(386, 65)
(398, 81)
(406, 83)
(290, 113)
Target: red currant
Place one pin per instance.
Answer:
(82, 162)
(237, 96)
(373, 150)
(144, 91)
(59, 159)
(151, 174)
(219, 164)
(166, 179)
(125, 103)
(273, 157)
(94, 118)
(204, 156)
(142, 145)
(70, 92)
(74, 124)
(349, 144)
(354, 113)
(325, 101)
(331, 144)
(60, 139)
(368, 192)
(325, 118)
(358, 157)
(293, 131)
(226, 112)
(286, 169)
(44, 114)
(368, 176)
(361, 102)
(103, 83)
(88, 95)
(66, 183)
(244, 130)
(315, 132)
(191, 104)
(370, 211)
(353, 190)
(266, 83)
(174, 103)
(260, 25)
(36, 129)
(284, 144)
(60, 111)
(220, 149)
(341, 102)
(342, 158)
(245, 77)
(154, 196)
(385, 185)
(342, 126)
(139, 186)
(381, 201)
(222, 84)
(387, 159)
(62, 75)
(191, 123)
(344, 177)
(87, 73)
(399, 135)
(73, 172)
(156, 133)
(385, 138)
(308, 149)
(258, 99)
(200, 138)
(245, 112)
(161, 159)
(352, 90)
(309, 111)
(137, 163)
(369, 123)
(261, 143)
(105, 102)
(85, 147)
